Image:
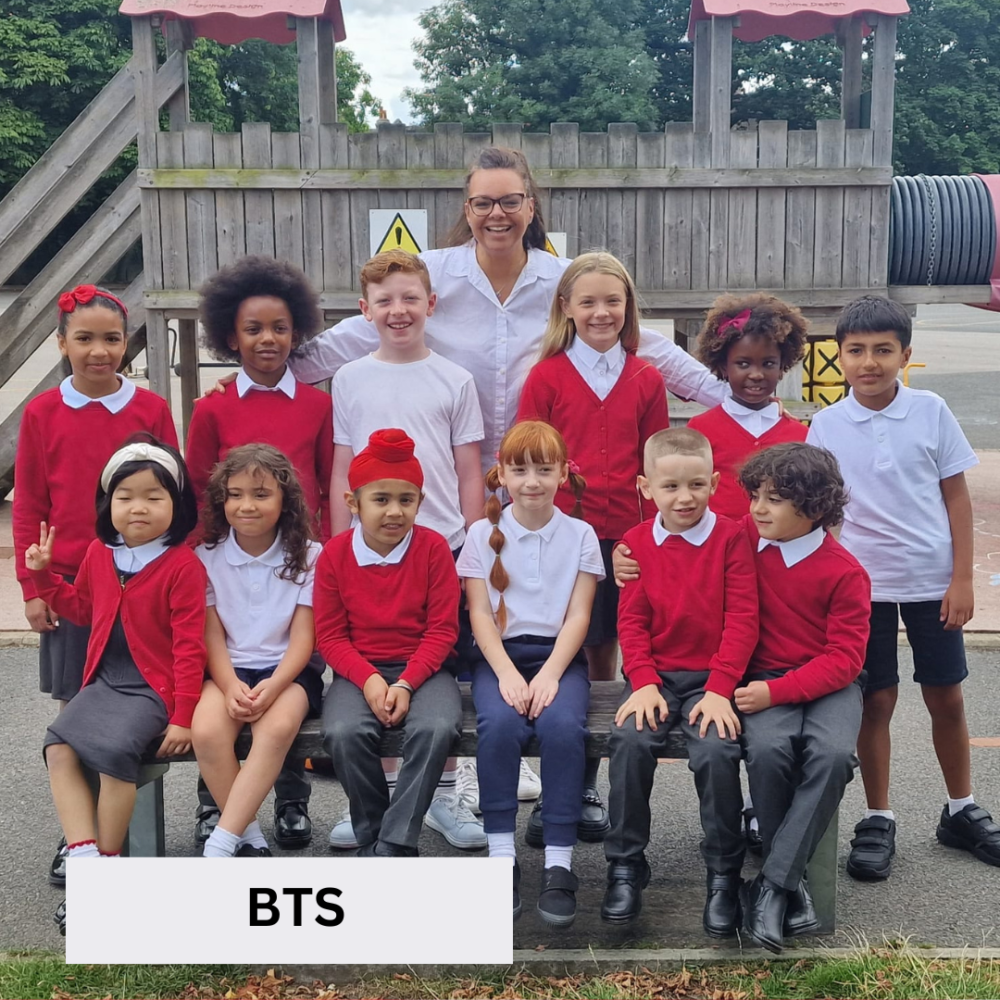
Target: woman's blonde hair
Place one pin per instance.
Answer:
(529, 439)
(561, 330)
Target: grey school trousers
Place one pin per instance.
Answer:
(351, 734)
(800, 758)
(714, 761)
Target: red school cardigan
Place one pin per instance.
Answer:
(163, 614)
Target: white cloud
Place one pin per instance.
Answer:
(380, 33)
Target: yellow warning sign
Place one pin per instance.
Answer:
(398, 237)
(551, 249)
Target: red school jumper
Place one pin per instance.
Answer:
(694, 607)
(301, 428)
(163, 615)
(732, 445)
(379, 614)
(813, 620)
(61, 453)
(604, 437)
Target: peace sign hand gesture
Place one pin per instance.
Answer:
(39, 556)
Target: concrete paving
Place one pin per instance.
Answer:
(936, 896)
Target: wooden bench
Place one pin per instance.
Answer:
(146, 833)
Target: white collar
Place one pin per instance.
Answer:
(797, 549)
(739, 412)
(896, 410)
(585, 354)
(131, 560)
(116, 401)
(697, 534)
(286, 384)
(519, 531)
(235, 556)
(369, 557)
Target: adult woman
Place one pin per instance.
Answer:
(495, 283)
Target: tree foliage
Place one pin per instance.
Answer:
(535, 62)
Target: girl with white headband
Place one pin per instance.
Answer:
(67, 435)
(142, 591)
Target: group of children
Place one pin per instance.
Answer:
(341, 531)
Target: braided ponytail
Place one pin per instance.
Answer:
(577, 484)
(499, 579)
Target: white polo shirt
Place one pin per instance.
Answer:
(755, 422)
(113, 403)
(253, 603)
(497, 343)
(435, 402)
(542, 566)
(893, 461)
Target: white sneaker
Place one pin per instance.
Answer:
(342, 835)
(467, 784)
(451, 817)
(529, 785)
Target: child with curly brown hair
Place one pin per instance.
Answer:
(260, 311)
(800, 702)
(259, 632)
(749, 341)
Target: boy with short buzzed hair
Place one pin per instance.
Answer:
(909, 523)
(386, 606)
(684, 651)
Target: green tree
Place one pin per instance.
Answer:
(534, 62)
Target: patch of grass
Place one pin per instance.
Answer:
(40, 977)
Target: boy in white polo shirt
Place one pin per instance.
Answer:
(405, 384)
(909, 523)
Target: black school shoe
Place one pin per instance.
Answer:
(206, 820)
(722, 904)
(764, 908)
(971, 830)
(592, 827)
(800, 915)
(249, 851)
(383, 849)
(557, 900)
(623, 896)
(59, 918)
(872, 848)
(292, 825)
(57, 870)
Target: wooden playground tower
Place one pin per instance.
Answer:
(695, 209)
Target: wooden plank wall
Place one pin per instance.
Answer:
(672, 238)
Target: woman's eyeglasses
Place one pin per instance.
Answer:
(509, 204)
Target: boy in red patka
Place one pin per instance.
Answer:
(801, 706)
(386, 607)
(687, 627)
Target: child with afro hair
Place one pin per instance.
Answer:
(257, 312)
(749, 341)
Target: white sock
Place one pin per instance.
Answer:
(747, 802)
(559, 857)
(253, 835)
(887, 813)
(87, 850)
(446, 786)
(957, 805)
(501, 845)
(390, 779)
(221, 844)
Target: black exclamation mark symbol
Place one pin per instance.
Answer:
(399, 236)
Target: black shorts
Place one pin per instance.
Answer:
(604, 615)
(309, 678)
(938, 656)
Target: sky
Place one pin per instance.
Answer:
(380, 32)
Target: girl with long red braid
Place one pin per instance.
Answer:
(530, 575)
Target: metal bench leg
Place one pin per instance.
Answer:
(823, 878)
(146, 836)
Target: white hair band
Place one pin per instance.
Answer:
(140, 452)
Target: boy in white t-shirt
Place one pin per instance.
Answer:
(405, 384)
(909, 523)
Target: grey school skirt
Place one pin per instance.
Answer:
(112, 721)
(62, 655)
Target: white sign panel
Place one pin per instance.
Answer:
(397, 229)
